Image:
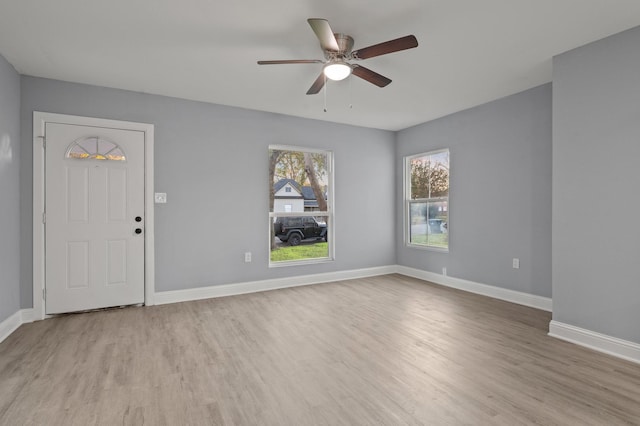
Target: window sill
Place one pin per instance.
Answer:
(285, 263)
(427, 248)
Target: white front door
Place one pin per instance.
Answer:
(94, 227)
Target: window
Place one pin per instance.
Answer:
(94, 148)
(300, 205)
(427, 199)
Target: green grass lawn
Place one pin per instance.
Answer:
(436, 240)
(301, 252)
(317, 250)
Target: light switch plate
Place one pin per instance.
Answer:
(161, 197)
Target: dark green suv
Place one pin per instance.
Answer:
(295, 229)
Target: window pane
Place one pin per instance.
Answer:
(105, 146)
(77, 151)
(89, 144)
(300, 238)
(429, 223)
(430, 175)
(300, 179)
(116, 154)
(93, 148)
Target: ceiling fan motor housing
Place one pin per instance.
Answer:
(345, 44)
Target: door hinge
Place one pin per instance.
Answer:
(44, 217)
(44, 294)
(44, 141)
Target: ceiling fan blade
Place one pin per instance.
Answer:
(402, 43)
(371, 76)
(317, 85)
(324, 33)
(291, 61)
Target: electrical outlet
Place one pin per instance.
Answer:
(516, 263)
(247, 257)
(444, 271)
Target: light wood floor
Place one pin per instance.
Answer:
(379, 351)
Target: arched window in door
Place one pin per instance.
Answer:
(95, 148)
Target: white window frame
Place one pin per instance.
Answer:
(407, 203)
(329, 213)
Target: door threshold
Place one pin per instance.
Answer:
(108, 308)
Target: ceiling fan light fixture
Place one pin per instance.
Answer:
(337, 71)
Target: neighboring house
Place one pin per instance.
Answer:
(310, 201)
(289, 196)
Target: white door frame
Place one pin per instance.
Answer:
(39, 121)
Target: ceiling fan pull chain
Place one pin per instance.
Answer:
(350, 92)
(325, 93)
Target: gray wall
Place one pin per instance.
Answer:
(9, 190)
(500, 197)
(211, 160)
(596, 183)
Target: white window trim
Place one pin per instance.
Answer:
(330, 213)
(406, 184)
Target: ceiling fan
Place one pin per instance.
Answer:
(337, 52)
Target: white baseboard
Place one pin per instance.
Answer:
(12, 323)
(619, 348)
(28, 315)
(174, 296)
(526, 299)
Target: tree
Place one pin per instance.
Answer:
(274, 157)
(310, 170)
(429, 179)
(290, 165)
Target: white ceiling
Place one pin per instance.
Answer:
(470, 51)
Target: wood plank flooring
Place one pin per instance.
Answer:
(388, 350)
